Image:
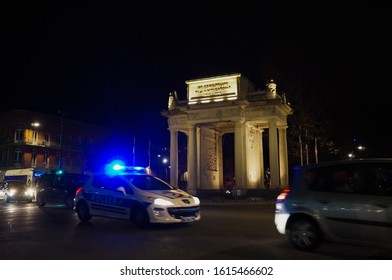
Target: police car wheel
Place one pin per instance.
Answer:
(140, 217)
(83, 212)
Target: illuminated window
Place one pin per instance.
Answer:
(35, 136)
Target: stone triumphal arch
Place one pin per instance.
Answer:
(229, 104)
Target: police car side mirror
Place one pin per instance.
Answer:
(121, 190)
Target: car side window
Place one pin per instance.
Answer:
(341, 181)
(330, 179)
(46, 181)
(382, 184)
(371, 179)
(367, 179)
(112, 184)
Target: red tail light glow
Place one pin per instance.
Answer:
(79, 190)
(283, 195)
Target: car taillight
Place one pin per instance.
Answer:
(283, 195)
(79, 190)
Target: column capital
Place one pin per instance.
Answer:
(172, 129)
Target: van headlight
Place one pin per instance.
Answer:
(162, 202)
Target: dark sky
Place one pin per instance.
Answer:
(112, 63)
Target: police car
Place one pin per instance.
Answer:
(130, 193)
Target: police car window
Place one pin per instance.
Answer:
(148, 183)
(111, 183)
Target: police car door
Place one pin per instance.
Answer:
(112, 199)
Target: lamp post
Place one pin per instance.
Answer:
(165, 161)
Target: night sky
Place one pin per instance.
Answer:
(114, 64)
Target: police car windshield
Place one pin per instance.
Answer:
(148, 183)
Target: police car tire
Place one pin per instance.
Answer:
(140, 217)
(83, 212)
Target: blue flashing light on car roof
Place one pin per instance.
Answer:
(118, 167)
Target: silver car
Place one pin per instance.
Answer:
(341, 201)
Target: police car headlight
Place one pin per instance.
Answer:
(162, 202)
(196, 200)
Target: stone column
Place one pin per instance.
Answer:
(261, 155)
(174, 157)
(274, 157)
(283, 157)
(240, 154)
(192, 160)
(220, 158)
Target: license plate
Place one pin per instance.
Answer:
(187, 219)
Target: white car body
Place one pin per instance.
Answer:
(128, 197)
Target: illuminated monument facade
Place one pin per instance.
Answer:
(229, 104)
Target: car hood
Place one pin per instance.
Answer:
(172, 194)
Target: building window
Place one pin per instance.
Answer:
(18, 156)
(58, 159)
(46, 159)
(47, 138)
(35, 136)
(68, 159)
(34, 158)
(19, 135)
(69, 140)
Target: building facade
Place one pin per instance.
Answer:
(45, 142)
